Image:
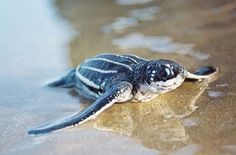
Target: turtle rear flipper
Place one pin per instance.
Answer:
(119, 92)
(67, 81)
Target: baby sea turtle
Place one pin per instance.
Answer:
(110, 78)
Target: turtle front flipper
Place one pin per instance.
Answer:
(119, 92)
(203, 73)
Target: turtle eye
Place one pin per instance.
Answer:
(165, 73)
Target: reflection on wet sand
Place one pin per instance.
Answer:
(157, 124)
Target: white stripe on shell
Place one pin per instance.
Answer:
(106, 54)
(130, 59)
(121, 56)
(85, 80)
(138, 57)
(107, 60)
(89, 92)
(98, 70)
(125, 56)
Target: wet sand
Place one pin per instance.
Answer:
(196, 118)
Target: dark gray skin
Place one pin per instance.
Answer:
(109, 78)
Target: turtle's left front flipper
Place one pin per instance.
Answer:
(206, 72)
(119, 92)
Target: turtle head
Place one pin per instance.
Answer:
(163, 75)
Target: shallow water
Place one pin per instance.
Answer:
(41, 40)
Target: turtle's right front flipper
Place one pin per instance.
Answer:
(120, 92)
(205, 72)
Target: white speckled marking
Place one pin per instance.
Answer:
(168, 65)
(162, 86)
(167, 71)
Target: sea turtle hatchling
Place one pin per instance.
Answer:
(110, 78)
